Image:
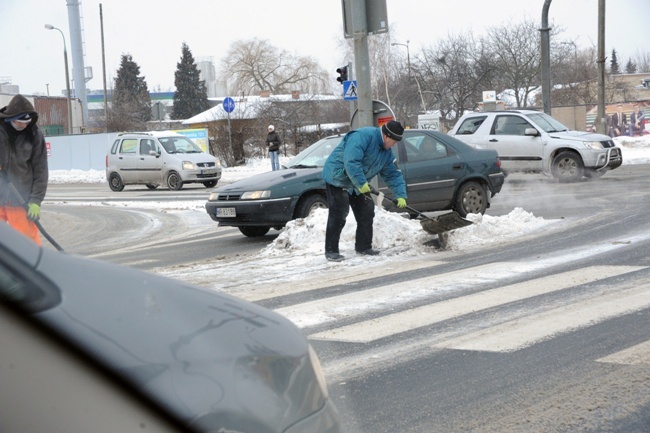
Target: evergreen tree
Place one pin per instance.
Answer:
(191, 97)
(613, 66)
(131, 106)
(630, 67)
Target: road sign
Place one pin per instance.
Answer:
(350, 90)
(376, 17)
(228, 105)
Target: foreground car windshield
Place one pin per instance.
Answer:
(316, 154)
(547, 123)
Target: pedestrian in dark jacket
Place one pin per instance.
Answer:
(273, 144)
(23, 162)
(361, 155)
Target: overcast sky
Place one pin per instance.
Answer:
(152, 31)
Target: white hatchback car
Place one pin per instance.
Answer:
(157, 158)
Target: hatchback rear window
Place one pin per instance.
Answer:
(129, 145)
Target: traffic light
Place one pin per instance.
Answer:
(343, 74)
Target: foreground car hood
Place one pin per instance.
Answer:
(272, 179)
(212, 359)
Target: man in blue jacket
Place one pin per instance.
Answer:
(361, 155)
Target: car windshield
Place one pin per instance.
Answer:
(546, 122)
(316, 154)
(179, 145)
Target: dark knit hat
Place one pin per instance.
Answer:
(19, 108)
(393, 129)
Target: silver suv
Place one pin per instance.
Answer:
(530, 141)
(156, 158)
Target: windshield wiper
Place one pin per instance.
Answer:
(303, 166)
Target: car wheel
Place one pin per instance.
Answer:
(254, 231)
(174, 181)
(115, 182)
(567, 167)
(151, 186)
(308, 204)
(594, 174)
(471, 198)
(210, 184)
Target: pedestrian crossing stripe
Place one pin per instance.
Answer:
(254, 293)
(635, 355)
(392, 324)
(518, 334)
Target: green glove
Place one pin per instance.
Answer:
(401, 203)
(33, 212)
(365, 188)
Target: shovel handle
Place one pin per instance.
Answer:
(394, 201)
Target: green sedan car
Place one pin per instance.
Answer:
(441, 173)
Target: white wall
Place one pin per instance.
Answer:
(79, 152)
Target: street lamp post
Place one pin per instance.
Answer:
(408, 61)
(67, 76)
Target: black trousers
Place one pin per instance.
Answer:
(339, 202)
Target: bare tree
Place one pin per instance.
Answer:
(575, 75)
(255, 65)
(517, 49)
(456, 71)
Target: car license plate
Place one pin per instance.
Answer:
(226, 212)
(209, 171)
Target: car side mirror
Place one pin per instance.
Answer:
(154, 153)
(531, 132)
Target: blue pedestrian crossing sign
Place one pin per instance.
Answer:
(350, 90)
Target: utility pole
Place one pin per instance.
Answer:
(546, 59)
(101, 22)
(362, 62)
(601, 121)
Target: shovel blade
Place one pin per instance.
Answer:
(443, 223)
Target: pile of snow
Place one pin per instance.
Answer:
(299, 249)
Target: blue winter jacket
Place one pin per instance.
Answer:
(358, 158)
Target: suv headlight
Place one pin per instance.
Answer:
(188, 165)
(255, 195)
(596, 145)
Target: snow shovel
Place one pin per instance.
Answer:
(434, 225)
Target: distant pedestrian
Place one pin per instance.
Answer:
(23, 162)
(273, 143)
(359, 157)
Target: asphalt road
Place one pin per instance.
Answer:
(547, 333)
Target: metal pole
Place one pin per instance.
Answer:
(101, 22)
(601, 121)
(67, 76)
(230, 135)
(351, 77)
(362, 63)
(417, 82)
(546, 59)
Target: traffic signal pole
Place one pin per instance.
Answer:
(362, 62)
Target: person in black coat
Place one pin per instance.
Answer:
(23, 163)
(273, 144)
